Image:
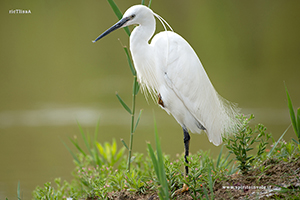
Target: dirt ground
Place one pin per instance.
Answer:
(254, 185)
(258, 185)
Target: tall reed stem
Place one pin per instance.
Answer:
(135, 87)
(132, 129)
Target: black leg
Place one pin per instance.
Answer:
(186, 140)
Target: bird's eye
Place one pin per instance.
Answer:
(132, 16)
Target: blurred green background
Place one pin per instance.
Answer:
(52, 76)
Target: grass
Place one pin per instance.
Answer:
(101, 172)
(159, 167)
(144, 178)
(295, 119)
(157, 174)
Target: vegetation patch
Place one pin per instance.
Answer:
(101, 172)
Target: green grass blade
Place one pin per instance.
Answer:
(77, 146)
(115, 9)
(143, 2)
(129, 61)
(161, 166)
(124, 144)
(210, 182)
(219, 157)
(136, 87)
(291, 109)
(118, 13)
(298, 123)
(229, 162)
(97, 156)
(295, 141)
(205, 192)
(123, 104)
(149, 5)
(278, 140)
(71, 152)
(19, 191)
(86, 142)
(138, 120)
(153, 158)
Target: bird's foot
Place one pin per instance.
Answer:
(181, 190)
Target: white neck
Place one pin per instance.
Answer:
(141, 35)
(142, 53)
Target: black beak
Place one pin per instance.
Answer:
(118, 25)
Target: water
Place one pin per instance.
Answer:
(52, 77)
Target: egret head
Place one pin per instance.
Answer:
(134, 15)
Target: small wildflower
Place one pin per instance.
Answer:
(283, 141)
(278, 151)
(267, 150)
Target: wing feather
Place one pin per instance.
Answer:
(184, 74)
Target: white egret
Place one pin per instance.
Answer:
(169, 68)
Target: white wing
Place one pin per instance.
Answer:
(186, 90)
